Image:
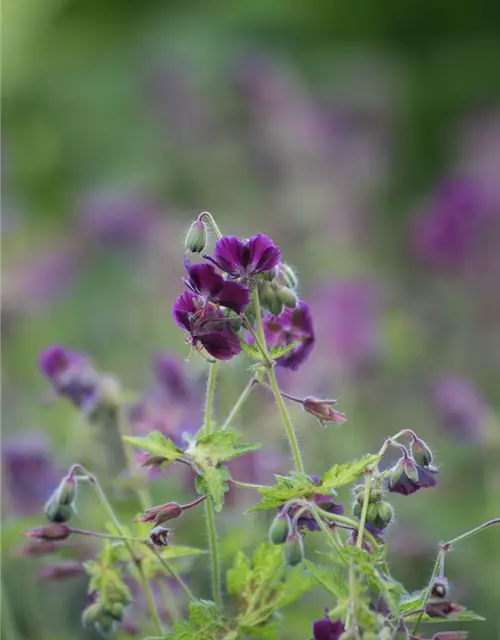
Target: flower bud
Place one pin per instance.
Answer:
(385, 514)
(322, 410)
(51, 532)
(270, 275)
(67, 491)
(115, 610)
(197, 237)
(294, 549)
(106, 623)
(280, 528)
(286, 276)
(288, 297)
(439, 588)
(451, 635)
(91, 615)
(154, 461)
(160, 514)
(159, 536)
(269, 299)
(56, 512)
(372, 513)
(442, 608)
(421, 453)
(375, 495)
(61, 571)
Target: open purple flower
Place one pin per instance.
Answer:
(243, 259)
(293, 326)
(205, 326)
(407, 477)
(326, 629)
(211, 287)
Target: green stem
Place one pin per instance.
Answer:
(9, 627)
(352, 524)
(136, 560)
(427, 595)
(334, 543)
(209, 506)
(248, 485)
(174, 574)
(110, 536)
(472, 532)
(239, 403)
(261, 336)
(208, 216)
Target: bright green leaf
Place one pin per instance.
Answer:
(278, 352)
(218, 447)
(463, 616)
(251, 350)
(297, 485)
(156, 444)
(342, 474)
(333, 580)
(214, 484)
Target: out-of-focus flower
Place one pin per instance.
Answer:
(326, 629)
(446, 234)
(61, 571)
(459, 408)
(323, 501)
(50, 532)
(117, 218)
(206, 327)
(211, 287)
(243, 259)
(162, 513)
(171, 377)
(29, 473)
(293, 326)
(407, 477)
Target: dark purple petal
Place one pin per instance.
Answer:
(56, 359)
(228, 252)
(264, 254)
(183, 307)
(244, 259)
(404, 485)
(426, 477)
(222, 345)
(293, 326)
(233, 296)
(325, 629)
(203, 279)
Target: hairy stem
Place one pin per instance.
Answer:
(247, 485)
(205, 215)
(470, 533)
(427, 594)
(209, 506)
(173, 573)
(239, 403)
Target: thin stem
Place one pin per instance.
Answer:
(334, 543)
(208, 216)
(173, 573)
(261, 344)
(239, 403)
(110, 536)
(209, 506)
(194, 503)
(472, 532)
(427, 595)
(137, 561)
(9, 627)
(352, 524)
(247, 485)
(261, 336)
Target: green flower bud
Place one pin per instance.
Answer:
(371, 512)
(280, 528)
(270, 275)
(385, 514)
(91, 614)
(269, 298)
(359, 489)
(56, 512)
(421, 453)
(196, 238)
(375, 495)
(294, 549)
(67, 491)
(106, 623)
(115, 610)
(357, 507)
(287, 276)
(288, 297)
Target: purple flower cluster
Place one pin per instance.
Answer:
(293, 326)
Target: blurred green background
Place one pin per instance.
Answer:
(364, 139)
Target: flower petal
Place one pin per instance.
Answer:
(183, 307)
(233, 296)
(204, 279)
(222, 345)
(228, 253)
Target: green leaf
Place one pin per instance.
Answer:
(297, 485)
(295, 584)
(463, 616)
(157, 444)
(278, 352)
(333, 580)
(251, 350)
(218, 447)
(342, 474)
(214, 484)
(205, 623)
(106, 579)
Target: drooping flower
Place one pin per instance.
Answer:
(205, 326)
(326, 629)
(293, 326)
(211, 287)
(407, 477)
(323, 411)
(243, 259)
(323, 501)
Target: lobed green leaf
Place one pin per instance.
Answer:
(342, 474)
(157, 444)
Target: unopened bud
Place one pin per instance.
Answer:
(421, 453)
(91, 615)
(372, 513)
(270, 275)
(439, 588)
(154, 461)
(160, 514)
(286, 276)
(106, 623)
(67, 491)
(385, 514)
(269, 299)
(323, 411)
(51, 532)
(451, 635)
(159, 536)
(294, 549)
(288, 297)
(280, 528)
(115, 610)
(374, 496)
(405, 466)
(442, 609)
(56, 512)
(196, 238)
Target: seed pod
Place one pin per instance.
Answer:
(91, 614)
(385, 514)
(196, 237)
(67, 491)
(280, 528)
(55, 531)
(288, 297)
(294, 549)
(421, 453)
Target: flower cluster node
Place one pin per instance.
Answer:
(158, 536)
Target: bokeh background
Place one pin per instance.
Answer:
(364, 138)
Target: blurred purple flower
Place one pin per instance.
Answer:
(29, 473)
(323, 501)
(446, 234)
(205, 327)
(326, 629)
(293, 326)
(171, 377)
(211, 287)
(459, 408)
(117, 218)
(243, 259)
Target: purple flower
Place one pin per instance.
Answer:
(171, 377)
(326, 629)
(407, 477)
(293, 326)
(205, 327)
(324, 501)
(211, 287)
(459, 408)
(243, 259)
(71, 374)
